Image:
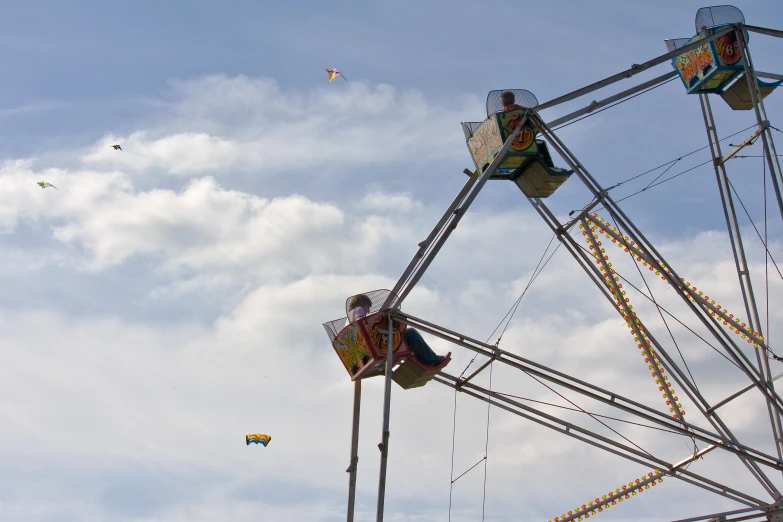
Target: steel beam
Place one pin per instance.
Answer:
(761, 119)
(777, 179)
(599, 441)
(742, 145)
(636, 69)
(770, 76)
(764, 30)
(623, 222)
(384, 445)
(738, 250)
(711, 308)
(611, 99)
(352, 469)
(425, 245)
(743, 390)
(478, 371)
(405, 288)
(589, 390)
(722, 515)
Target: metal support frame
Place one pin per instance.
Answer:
(738, 249)
(721, 315)
(599, 441)
(635, 69)
(617, 97)
(446, 226)
(770, 76)
(768, 514)
(722, 438)
(764, 30)
(353, 468)
(586, 389)
(384, 445)
(747, 141)
(777, 180)
(749, 514)
(741, 392)
(761, 117)
(708, 314)
(635, 235)
(424, 246)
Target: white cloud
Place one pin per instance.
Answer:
(380, 202)
(180, 397)
(172, 399)
(227, 124)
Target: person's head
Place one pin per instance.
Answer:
(362, 301)
(507, 98)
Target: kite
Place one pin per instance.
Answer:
(45, 184)
(334, 73)
(116, 147)
(257, 438)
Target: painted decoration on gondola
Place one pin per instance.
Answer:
(379, 339)
(525, 138)
(728, 49)
(712, 66)
(350, 347)
(485, 142)
(694, 64)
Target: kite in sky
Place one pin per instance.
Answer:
(45, 184)
(257, 438)
(116, 147)
(334, 73)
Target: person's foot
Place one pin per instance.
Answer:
(440, 358)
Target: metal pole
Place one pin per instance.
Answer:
(594, 439)
(622, 220)
(617, 97)
(384, 445)
(764, 30)
(586, 389)
(737, 247)
(424, 245)
(770, 76)
(635, 69)
(740, 261)
(352, 469)
(775, 174)
(460, 212)
(717, 516)
(743, 390)
(761, 113)
(678, 376)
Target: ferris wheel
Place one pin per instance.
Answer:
(514, 143)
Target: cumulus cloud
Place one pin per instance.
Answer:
(380, 202)
(226, 124)
(157, 407)
(265, 366)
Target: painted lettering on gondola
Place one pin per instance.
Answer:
(485, 142)
(727, 48)
(525, 138)
(693, 64)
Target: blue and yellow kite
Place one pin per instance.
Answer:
(257, 438)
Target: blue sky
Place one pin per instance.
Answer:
(168, 299)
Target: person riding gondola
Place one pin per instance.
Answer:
(508, 100)
(361, 304)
